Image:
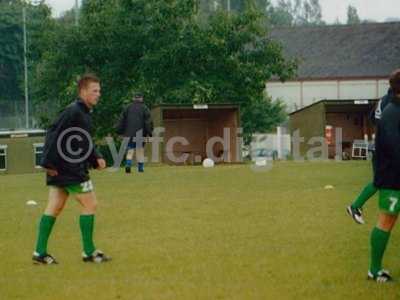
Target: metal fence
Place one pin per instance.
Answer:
(12, 116)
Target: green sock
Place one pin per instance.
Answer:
(379, 240)
(86, 223)
(368, 191)
(45, 227)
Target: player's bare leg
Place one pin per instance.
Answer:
(140, 158)
(129, 158)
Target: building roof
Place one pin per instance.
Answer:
(341, 105)
(22, 133)
(197, 106)
(342, 51)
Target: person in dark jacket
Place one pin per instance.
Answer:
(386, 179)
(68, 154)
(355, 209)
(136, 124)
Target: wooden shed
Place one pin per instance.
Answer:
(352, 116)
(198, 125)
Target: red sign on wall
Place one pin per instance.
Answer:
(329, 134)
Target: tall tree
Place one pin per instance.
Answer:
(308, 12)
(294, 13)
(38, 21)
(11, 50)
(281, 14)
(263, 5)
(161, 48)
(352, 15)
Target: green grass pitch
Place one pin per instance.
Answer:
(195, 233)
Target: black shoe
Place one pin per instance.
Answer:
(381, 277)
(45, 259)
(96, 257)
(356, 214)
(127, 170)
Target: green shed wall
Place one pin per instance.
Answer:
(20, 154)
(310, 122)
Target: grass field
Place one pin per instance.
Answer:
(194, 233)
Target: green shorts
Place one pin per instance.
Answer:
(389, 201)
(79, 188)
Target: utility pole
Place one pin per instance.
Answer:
(26, 83)
(25, 70)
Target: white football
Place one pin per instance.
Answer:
(261, 162)
(31, 202)
(208, 163)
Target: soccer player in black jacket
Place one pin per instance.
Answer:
(386, 179)
(68, 154)
(355, 209)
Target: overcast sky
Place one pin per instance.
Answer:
(378, 10)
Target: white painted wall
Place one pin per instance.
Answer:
(358, 89)
(298, 94)
(290, 93)
(383, 86)
(313, 92)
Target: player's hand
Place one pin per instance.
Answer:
(51, 172)
(101, 164)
